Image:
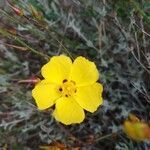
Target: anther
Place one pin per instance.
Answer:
(60, 89)
(66, 95)
(65, 80)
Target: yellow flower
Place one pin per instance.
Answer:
(136, 129)
(71, 86)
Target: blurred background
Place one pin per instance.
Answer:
(115, 34)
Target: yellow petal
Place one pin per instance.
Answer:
(147, 132)
(84, 72)
(133, 118)
(137, 130)
(89, 97)
(57, 69)
(68, 111)
(45, 94)
(129, 130)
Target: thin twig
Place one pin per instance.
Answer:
(141, 29)
(140, 62)
(46, 28)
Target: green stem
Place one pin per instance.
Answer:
(5, 33)
(31, 49)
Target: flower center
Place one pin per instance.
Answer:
(67, 88)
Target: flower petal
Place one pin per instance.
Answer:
(57, 69)
(84, 72)
(135, 130)
(45, 94)
(89, 97)
(68, 111)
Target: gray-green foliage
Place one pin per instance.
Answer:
(113, 34)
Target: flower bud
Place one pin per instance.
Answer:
(33, 80)
(17, 10)
(36, 14)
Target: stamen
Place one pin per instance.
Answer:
(73, 82)
(67, 88)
